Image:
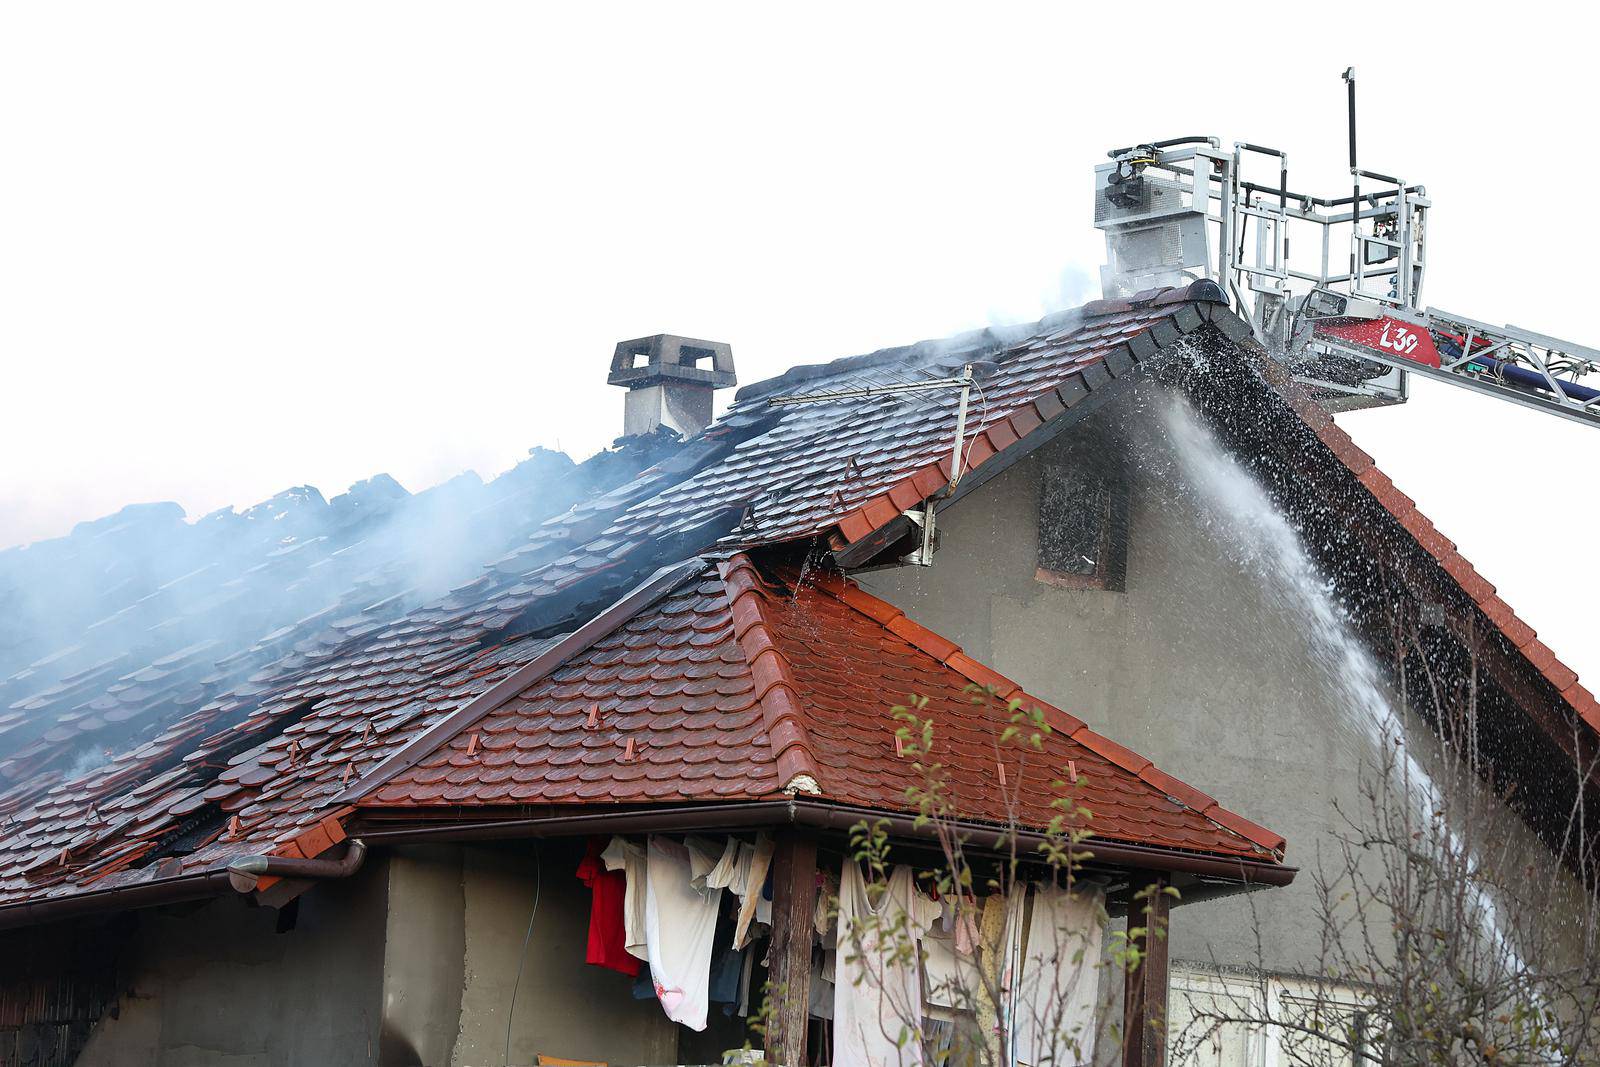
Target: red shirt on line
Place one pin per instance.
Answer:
(607, 938)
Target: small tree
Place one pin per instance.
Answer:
(987, 1011)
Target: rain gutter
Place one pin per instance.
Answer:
(242, 874)
(825, 816)
(200, 886)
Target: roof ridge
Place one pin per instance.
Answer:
(429, 739)
(1171, 315)
(930, 350)
(950, 655)
(777, 692)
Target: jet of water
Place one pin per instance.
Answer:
(1264, 541)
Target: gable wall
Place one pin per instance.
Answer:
(1205, 664)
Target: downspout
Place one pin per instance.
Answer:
(246, 871)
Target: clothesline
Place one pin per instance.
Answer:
(1018, 967)
(658, 904)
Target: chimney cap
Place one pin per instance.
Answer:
(666, 357)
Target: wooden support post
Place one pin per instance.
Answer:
(1144, 1003)
(794, 901)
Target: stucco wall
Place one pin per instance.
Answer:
(564, 1007)
(216, 984)
(456, 920)
(423, 957)
(1201, 665)
(411, 962)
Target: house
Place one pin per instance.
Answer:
(354, 840)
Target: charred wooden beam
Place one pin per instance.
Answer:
(794, 901)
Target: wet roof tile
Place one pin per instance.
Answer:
(813, 666)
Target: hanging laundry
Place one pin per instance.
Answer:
(950, 963)
(744, 982)
(1011, 968)
(748, 887)
(625, 856)
(961, 915)
(711, 862)
(993, 937)
(1058, 988)
(608, 937)
(820, 1002)
(877, 998)
(823, 920)
(680, 926)
(736, 866)
(951, 977)
(727, 964)
(938, 1040)
(644, 987)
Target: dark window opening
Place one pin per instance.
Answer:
(1083, 517)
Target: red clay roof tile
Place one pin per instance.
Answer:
(855, 526)
(931, 479)
(1518, 632)
(1583, 701)
(904, 496)
(1049, 405)
(939, 648)
(1125, 758)
(823, 665)
(980, 675)
(1025, 421)
(1560, 676)
(1000, 436)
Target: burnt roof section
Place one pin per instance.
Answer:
(260, 765)
(112, 633)
(257, 763)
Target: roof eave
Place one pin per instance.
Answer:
(819, 814)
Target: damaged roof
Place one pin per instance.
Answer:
(511, 664)
(114, 633)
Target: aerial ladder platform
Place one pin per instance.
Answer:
(1345, 313)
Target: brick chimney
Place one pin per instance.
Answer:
(670, 380)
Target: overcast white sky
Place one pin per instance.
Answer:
(244, 247)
